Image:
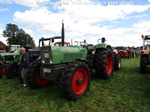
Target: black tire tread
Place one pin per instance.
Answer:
(9, 70)
(100, 63)
(31, 77)
(117, 60)
(66, 78)
(143, 64)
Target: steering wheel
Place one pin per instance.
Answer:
(83, 43)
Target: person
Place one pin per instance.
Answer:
(24, 64)
(1, 62)
(115, 51)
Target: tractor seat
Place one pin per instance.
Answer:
(90, 48)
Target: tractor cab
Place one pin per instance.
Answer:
(89, 47)
(147, 46)
(12, 48)
(146, 43)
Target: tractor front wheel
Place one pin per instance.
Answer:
(143, 64)
(3, 69)
(34, 79)
(12, 70)
(103, 63)
(75, 80)
(117, 61)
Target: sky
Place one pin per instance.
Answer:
(121, 22)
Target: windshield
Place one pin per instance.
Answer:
(147, 45)
(12, 48)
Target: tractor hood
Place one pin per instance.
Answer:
(101, 45)
(10, 57)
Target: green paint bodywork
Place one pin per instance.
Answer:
(10, 57)
(62, 54)
(101, 45)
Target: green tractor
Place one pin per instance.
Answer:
(72, 65)
(12, 55)
(12, 69)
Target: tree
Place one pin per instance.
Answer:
(15, 35)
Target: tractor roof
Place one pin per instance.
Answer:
(61, 42)
(147, 37)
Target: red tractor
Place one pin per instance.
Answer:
(128, 53)
(123, 53)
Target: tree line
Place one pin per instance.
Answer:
(15, 35)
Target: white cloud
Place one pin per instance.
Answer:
(1, 37)
(6, 1)
(5, 9)
(29, 3)
(84, 22)
(29, 31)
(142, 27)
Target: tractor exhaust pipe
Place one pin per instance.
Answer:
(63, 33)
(25, 44)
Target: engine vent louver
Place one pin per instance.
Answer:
(71, 56)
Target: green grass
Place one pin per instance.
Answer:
(126, 91)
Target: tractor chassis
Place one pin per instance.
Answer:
(55, 71)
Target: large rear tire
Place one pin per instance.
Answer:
(34, 79)
(143, 64)
(12, 70)
(75, 80)
(103, 63)
(117, 61)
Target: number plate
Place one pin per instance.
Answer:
(46, 70)
(46, 55)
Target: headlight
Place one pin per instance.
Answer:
(46, 55)
(43, 61)
(51, 61)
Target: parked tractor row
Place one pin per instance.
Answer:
(72, 65)
(126, 52)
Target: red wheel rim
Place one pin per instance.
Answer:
(4, 70)
(38, 78)
(80, 88)
(109, 64)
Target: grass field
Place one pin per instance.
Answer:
(126, 91)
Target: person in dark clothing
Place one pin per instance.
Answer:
(1, 62)
(24, 63)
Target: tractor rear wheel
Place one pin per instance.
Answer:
(3, 69)
(12, 70)
(128, 56)
(143, 64)
(103, 63)
(117, 61)
(75, 80)
(34, 79)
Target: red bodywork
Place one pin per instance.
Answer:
(59, 43)
(2, 51)
(123, 53)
